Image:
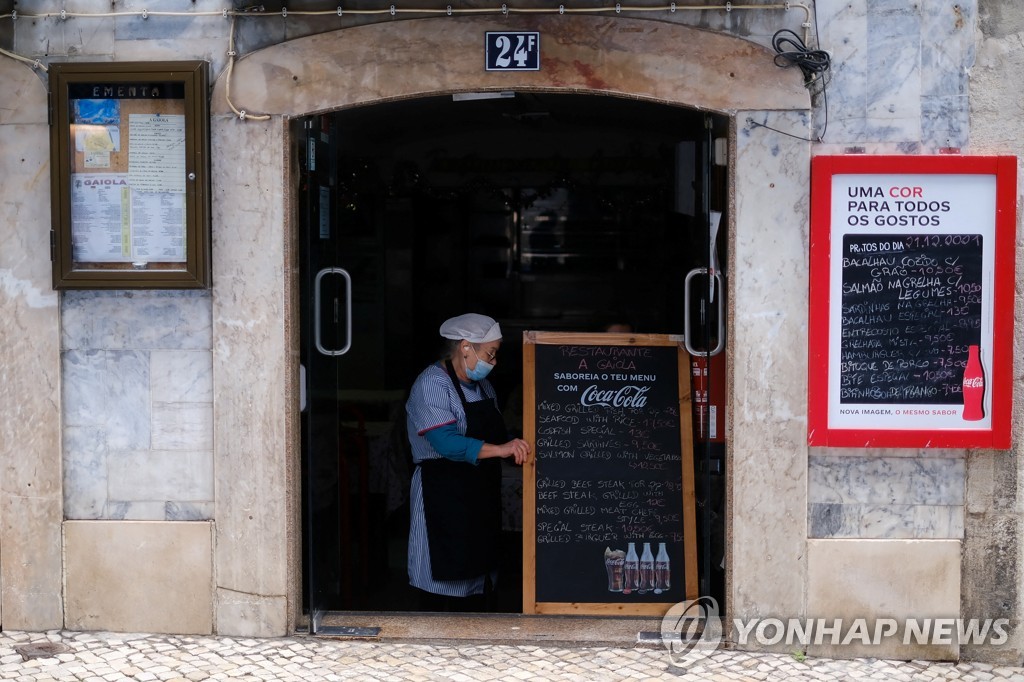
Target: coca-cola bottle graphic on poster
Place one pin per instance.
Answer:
(974, 386)
(631, 569)
(646, 570)
(662, 570)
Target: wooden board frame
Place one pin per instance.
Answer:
(530, 341)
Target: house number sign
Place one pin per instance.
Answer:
(512, 50)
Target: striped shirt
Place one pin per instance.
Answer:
(434, 402)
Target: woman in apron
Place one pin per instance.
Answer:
(457, 436)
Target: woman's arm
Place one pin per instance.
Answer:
(449, 443)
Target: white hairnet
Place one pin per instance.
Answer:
(471, 327)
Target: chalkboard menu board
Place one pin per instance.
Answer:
(608, 497)
(911, 301)
(911, 309)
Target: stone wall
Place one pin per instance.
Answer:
(31, 507)
(992, 559)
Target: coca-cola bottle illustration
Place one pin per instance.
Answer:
(631, 569)
(974, 387)
(646, 570)
(662, 570)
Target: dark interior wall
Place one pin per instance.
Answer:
(544, 211)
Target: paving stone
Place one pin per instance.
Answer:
(103, 657)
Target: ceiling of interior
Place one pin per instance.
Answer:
(526, 112)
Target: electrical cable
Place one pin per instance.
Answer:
(240, 113)
(34, 63)
(815, 65)
(811, 62)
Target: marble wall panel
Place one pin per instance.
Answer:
(109, 389)
(45, 37)
(30, 487)
(137, 320)
(182, 426)
(138, 404)
(944, 122)
(160, 475)
(768, 487)
(30, 555)
(188, 511)
(85, 472)
(181, 376)
(899, 579)
(886, 480)
(245, 614)
(174, 28)
(947, 49)
(935, 521)
(832, 519)
(131, 576)
(249, 362)
(886, 521)
(886, 497)
(843, 32)
(115, 510)
(893, 47)
(924, 51)
(922, 521)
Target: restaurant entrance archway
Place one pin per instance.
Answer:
(548, 211)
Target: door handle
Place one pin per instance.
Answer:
(687, 338)
(348, 311)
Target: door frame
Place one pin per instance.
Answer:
(660, 61)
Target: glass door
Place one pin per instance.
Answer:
(325, 337)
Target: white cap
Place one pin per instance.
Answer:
(471, 327)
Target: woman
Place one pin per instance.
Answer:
(457, 435)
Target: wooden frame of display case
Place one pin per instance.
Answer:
(129, 152)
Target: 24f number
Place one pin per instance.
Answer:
(513, 51)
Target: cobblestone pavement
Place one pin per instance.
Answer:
(108, 657)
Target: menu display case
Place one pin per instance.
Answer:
(129, 146)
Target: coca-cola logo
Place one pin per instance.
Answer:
(975, 382)
(627, 396)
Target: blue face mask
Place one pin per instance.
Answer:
(481, 370)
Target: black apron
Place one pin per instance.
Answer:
(462, 501)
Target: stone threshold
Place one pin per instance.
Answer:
(514, 629)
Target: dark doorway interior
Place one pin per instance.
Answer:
(545, 211)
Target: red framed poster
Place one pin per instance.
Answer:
(911, 301)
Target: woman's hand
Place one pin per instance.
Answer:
(517, 448)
